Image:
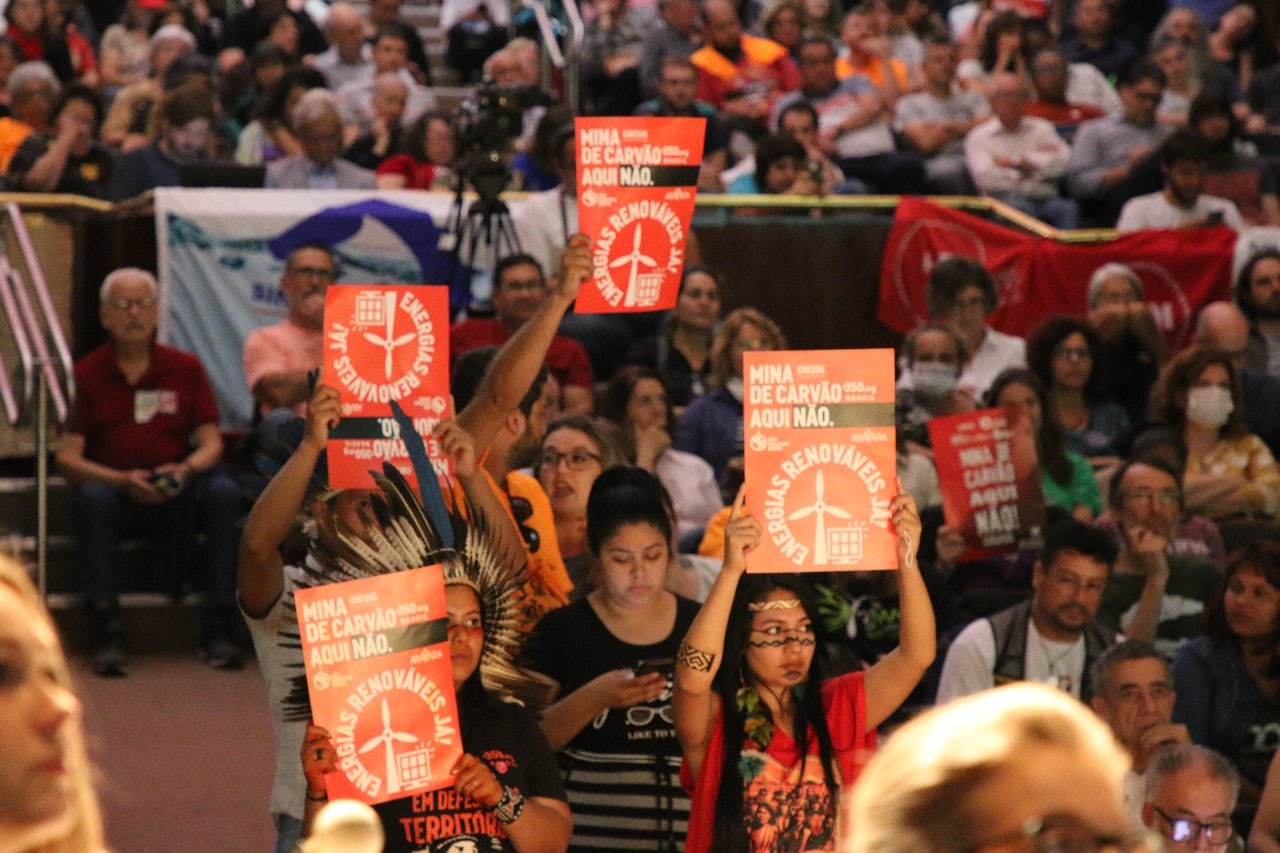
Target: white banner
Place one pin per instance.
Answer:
(221, 254)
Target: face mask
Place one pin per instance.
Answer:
(736, 387)
(934, 380)
(1209, 406)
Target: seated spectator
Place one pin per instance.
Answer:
(1133, 694)
(1191, 795)
(70, 160)
(738, 74)
(677, 87)
(1182, 81)
(635, 401)
(1230, 472)
(822, 18)
(1257, 292)
(1104, 171)
(519, 289)
(1236, 50)
(575, 451)
(387, 14)
(934, 357)
(270, 136)
(127, 121)
(471, 39)
(905, 44)
(1054, 637)
(1000, 52)
(962, 294)
(680, 353)
(782, 168)
(33, 92)
(349, 58)
(422, 160)
(1185, 25)
(1153, 594)
(246, 28)
(186, 118)
(869, 54)
(537, 169)
(853, 123)
(1064, 353)
(610, 57)
(1241, 178)
(783, 22)
(39, 38)
(143, 451)
(355, 100)
(279, 359)
(712, 425)
(1018, 159)
(1049, 70)
(385, 133)
(678, 32)
(267, 66)
(1022, 767)
(1225, 689)
(318, 167)
(1222, 326)
(279, 29)
(1184, 159)
(1066, 477)
(800, 120)
(1130, 339)
(935, 121)
(1096, 42)
(123, 50)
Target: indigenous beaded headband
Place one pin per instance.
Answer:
(775, 604)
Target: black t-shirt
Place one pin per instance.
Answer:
(87, 175)
(507, 738)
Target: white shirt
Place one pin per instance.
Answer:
(997, 353)
(1034, 139)
(340, 73)
(1156, 211)
(970, 664)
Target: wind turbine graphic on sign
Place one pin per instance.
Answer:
(635, 259)
(820, 508)
(389, 737)
(389, 342)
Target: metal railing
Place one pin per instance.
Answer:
(567, 60)
(46, 369)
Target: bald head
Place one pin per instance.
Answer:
(1223, 327)
(346, 30)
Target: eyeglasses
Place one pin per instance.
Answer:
(1078, 353)
(574, 460)
(318, 273)
(122, 304)
(1185, 830)
(1062, 834)
(1165, 498)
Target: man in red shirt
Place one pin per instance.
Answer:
(741, 75)
(142, 451)
(519, 289)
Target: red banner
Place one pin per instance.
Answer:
(1035, 277)
(821, 459)
(378, 670)
(637, 184)
(990, 479)
(384, 343)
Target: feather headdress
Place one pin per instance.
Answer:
(412, 530)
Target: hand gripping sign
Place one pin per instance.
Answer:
(376, 652)
(990, 480)
(384, 343)
(637, 184)
(821, 459)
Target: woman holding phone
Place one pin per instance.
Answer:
(612, 654)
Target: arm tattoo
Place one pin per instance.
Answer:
(696, 659)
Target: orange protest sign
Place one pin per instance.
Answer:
(384, 343)
(637, 184)
(379, 675)
(821, 459)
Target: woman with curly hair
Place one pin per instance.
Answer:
(1228, 681)
(712, 426)
(1063, 352)
(1230, 471)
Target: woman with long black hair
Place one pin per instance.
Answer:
(752, 684)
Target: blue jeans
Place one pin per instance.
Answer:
(288, 832)
(210, 504)
(1061, 213)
